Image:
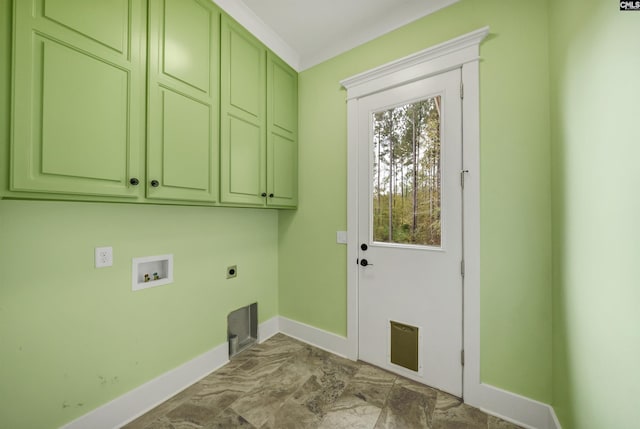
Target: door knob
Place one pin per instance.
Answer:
(264, 194)
(364, 246)
(134, 181)
(365, 263)
(270, 195)
(155, 183)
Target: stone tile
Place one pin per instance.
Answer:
(188, 416)
(266, 398)
(261, 366)
(325, 392)
(371, 385)
(328, 382)
(220, 390)
(405, 408)
(233, 364)
(429, 392)
(348, 364)
(160, 423)
(277, 347)
(317, 358)
(497, 423)
(292, 415)
(228, 419)
(144, 421)
(445, 400)
(284, 383)
(420, 388)
(216, 398)
(258, 364)
(451, 413)
(311, 356)
(349, 411)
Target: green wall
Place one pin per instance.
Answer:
(596, 238)
(73, 337)
(515, 189)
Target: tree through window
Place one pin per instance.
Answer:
(406, 174)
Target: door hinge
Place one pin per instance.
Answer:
(462, 173)
(461, 90)
(462, 268)
(462, 357)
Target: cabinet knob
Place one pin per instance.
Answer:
(264, 194)
(134, 181)
(271, 195)
(155, 183)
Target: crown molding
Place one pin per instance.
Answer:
(252, 22)
(300, 61)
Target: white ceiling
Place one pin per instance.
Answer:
(306, 32)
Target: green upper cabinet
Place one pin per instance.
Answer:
(78, 97)
(243, 116)
(259, 123)
(166, 101)
(183, 117)
(282, 133)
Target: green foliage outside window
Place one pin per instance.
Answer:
(406, 174)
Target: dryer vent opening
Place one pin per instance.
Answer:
(242, 328)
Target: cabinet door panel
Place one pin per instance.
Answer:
(183, 140)
(246, 74)
(245, 162)
(283, 166)
(243, 126)
(186, 143)
(186, 39)
(282, 134)
(285, 98)
(78, 105)
(84, 130)
(105, 21)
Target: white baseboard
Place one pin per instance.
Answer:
(517, 409)
(138, 401)
(268, 329)
(514, 408)
(324, 340)
(554, 423)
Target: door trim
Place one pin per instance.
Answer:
(460, 52)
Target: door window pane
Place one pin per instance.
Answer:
(406, 174)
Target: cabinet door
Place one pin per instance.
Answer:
(282, 134)
(78, 101)
(243, 121)
(182, 144)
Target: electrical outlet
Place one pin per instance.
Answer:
(104, 257)
(232, 272)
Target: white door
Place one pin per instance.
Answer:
(410, 228)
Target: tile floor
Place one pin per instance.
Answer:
(283, 383)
